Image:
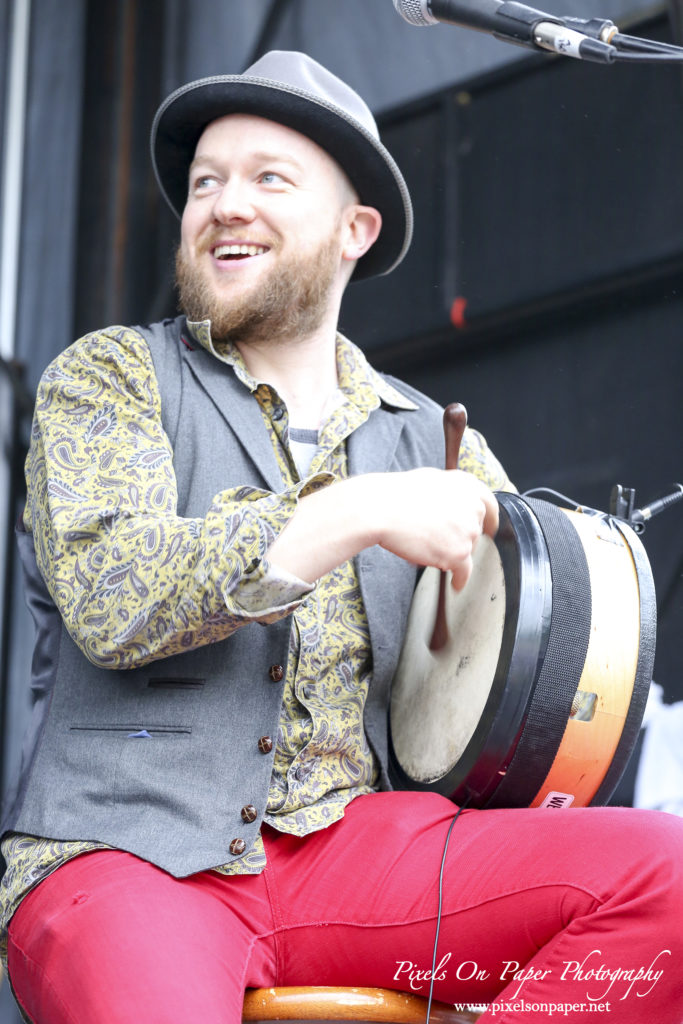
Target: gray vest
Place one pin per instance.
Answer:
(174, 796)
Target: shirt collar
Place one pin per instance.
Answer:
(353, 369)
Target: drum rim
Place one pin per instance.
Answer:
(483, 762)
(486, 758)
(647, 642)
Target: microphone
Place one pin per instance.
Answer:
(514, 22)
(642, 515)
(622, 505)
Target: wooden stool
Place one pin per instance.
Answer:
(358, 1004)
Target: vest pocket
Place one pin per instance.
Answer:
(158, 683)
(135, 730)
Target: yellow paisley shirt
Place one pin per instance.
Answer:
(134, 582)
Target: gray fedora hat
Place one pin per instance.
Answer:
(296, 91)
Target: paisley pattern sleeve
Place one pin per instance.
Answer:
(133, 580)
(477, 458)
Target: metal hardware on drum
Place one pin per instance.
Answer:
(622, 504)
(583, 706)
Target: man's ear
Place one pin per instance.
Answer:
(363, 226)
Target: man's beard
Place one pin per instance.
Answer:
(289, 303)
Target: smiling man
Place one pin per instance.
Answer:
(262, 244)
(225, 518)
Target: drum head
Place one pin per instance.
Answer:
(456, 711)
(440, 694)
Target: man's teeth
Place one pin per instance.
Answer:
(239, 250)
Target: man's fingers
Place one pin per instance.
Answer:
(434, 517)
(461, 573)
(490, 524)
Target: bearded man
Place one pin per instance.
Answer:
(226, 514)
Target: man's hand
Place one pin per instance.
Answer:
(427, 516)
(434, 517)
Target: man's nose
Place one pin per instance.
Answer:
(234, 202)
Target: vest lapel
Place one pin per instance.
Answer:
(239, 409)
(381, 574)
(371, 448)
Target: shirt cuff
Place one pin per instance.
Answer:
(268, 591)
(262, 591)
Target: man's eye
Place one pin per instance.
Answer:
(205, 181)
(271, 178)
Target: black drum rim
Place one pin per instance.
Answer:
(486, 758)
(477, 773)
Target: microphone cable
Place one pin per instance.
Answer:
(626, 42)
(461, 808)
(647, 56)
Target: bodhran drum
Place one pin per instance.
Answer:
(528, 687)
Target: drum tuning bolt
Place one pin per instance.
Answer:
(622, 505)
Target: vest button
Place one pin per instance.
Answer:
(249, 813)
(237, 846)
(276, 673)
(265, 744)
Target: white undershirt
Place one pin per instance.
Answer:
(303, 442)
(303, 445)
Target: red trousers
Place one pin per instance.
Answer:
(571, 913)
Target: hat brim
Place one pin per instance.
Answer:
(369, 166)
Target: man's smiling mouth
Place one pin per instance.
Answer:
(238, 251)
